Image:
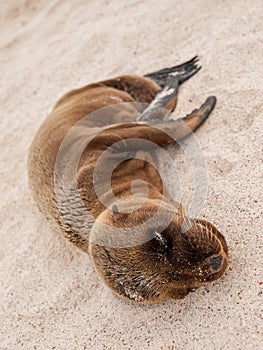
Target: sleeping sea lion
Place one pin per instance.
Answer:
(93, 169)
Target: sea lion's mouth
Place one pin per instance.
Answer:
(216, 262)
(218, 267)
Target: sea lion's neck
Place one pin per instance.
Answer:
(140, 188)
(133, 180)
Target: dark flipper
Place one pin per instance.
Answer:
(199, 115)
(180, 128)
(167, 97)
(159, 132)
(162, 100)
(183, 72)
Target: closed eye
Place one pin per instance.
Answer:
(160, 242)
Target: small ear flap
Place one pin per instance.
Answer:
(115, 212)
(115, 208)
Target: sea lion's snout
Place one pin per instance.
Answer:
(216, 262)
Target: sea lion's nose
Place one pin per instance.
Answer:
(216, 262)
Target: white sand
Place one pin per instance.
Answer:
(50, 295)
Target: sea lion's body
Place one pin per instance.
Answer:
(129, 270)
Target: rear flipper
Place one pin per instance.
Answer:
(163, 103)
(183, 72)
(166, 98)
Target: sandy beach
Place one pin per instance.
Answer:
(50, 294)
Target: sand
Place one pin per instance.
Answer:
(50, 295)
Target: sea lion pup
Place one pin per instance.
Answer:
(135, 239)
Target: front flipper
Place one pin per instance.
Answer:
(182, 127)
(159, 132)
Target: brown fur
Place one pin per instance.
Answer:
(168, 265)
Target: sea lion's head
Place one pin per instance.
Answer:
(148, 263)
